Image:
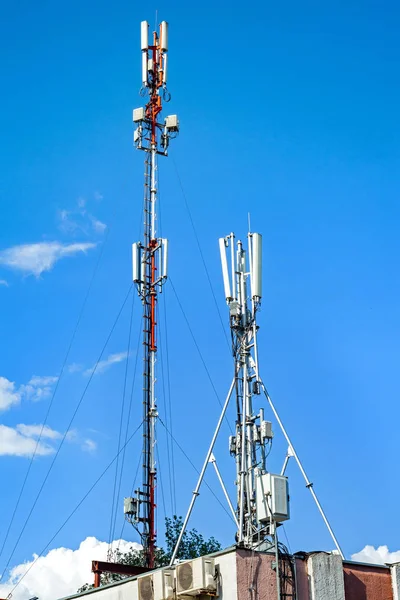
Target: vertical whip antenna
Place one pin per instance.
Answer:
(150, 267)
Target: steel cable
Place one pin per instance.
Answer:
(201, 252)
(75, 330)
(73, 511)
(171, 486)
(66, 433)
(199, 352)
(126, 435)
(114, 495)
(169, 401)
(198, 472)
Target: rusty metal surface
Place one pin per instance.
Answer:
(99, 566)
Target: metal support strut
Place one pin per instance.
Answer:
(202, 472)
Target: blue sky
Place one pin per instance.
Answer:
(289, 112)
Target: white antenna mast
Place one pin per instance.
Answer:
(257, 510)
(262, 497)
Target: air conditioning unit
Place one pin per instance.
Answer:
(196, 577)
(158, 585)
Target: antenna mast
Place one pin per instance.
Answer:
(149, 259)
(258, 492)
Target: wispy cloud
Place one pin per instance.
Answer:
(97, 225)
(9, 394)
(38, 388)
(80, 220)
(89, 445)
(75, 368)
(34, 259)
(4, 283)
(40, 380)
(38, 430)
(103, 365)
(14, 442)
(24, 440)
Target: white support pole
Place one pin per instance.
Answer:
(203, 470)
(285, 464)
(309, 485)
(213, 461)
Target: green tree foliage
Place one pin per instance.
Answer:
(192, 545)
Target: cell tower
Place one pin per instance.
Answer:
(262, 498)
(149, 259)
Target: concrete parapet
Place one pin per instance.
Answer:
(395, 572)
(326, 579)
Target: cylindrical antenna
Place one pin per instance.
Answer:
(164, 243)
(165, 69)
(233, 274)
(225, 272)
(136, 263)
(144, 68)
(164, 36)
(144, 35)
(256, 267)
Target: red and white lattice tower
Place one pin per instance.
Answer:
(150, 266)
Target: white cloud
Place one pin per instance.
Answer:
(89, 445)
(376, 556)
(61, 572)
(75, 368)
(4, 282)
(34, 259)
(98, 226)
(41, 380)
(15, 443)
(38, 430)
(79, 220)
(21, 440)
(9, 394)
(38, 387)
(98, 196)
(103, 365)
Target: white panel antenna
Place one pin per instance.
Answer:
(225, 272)
(164, 36)
(256, 265)
(144, 69)
(164, 253)
(165, 69)
(137, 262)
(144, 35)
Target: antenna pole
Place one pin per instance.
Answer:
(150, 268)
(248, 443)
